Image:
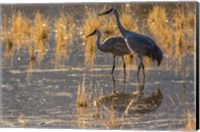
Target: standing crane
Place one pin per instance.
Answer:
(140, 44)
(114, 45)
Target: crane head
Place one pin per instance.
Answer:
(106, 12)
(94, 32)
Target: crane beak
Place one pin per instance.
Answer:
(106, 12)
(91, 34)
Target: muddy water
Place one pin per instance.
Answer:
(49, 98)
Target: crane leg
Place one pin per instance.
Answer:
(138, 72)
(113, 65)
(114, 88)
(124, 67)
(144, 76)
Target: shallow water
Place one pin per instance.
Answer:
(48, 99)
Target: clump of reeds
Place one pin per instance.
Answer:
(158, 25)
(21, 29)
(83, 98)
(40, 34)
(128, 18)
(191, 124)
(179, 26)
(110, 121)
(64, 28)
(61, 38)
(184, 33)
(90, 23)
(23, 120)
(15, 33)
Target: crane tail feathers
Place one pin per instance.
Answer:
(157, 55)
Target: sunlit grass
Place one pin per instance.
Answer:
(40, 34)
(184, 33)
(32, 62)
(90, 23)
(83, 97)
(61, 38)
(21, 29)
(159, 25)
(15, 33)
(65, 33)
(191, 123)
(110, 121)
(22, 120)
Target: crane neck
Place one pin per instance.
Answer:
(99, 45)
(121, 28)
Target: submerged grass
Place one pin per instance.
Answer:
(191, 123)
(83, 97)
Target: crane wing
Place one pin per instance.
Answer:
(140, 44)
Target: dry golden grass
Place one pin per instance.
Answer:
(191, 123)
(110, 121)
(21, 29)
(22, 120)
(32, 62)
(83, 98)
(15, 33)
(184, 33)
(90, 23)
(40, 34)
(61, 38)
(65, 31)
(128, 18)
(158, 25)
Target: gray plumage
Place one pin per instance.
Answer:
(114, 45)
(138, 43)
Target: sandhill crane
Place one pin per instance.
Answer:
(114, 45)
(138, 43)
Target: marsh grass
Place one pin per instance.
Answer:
(191, 123)
(23, 120)
(111, 120)
(184, 33)
(61, 38)
(40, 33)
(159, 25)
(32, 63)
(90, 23)
(84, 108)
(21, 29)
(83, 96)
(15, 33)
(65, 32)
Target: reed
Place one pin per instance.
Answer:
(21, 29)
(159, 25)
(191, 123)
(15, 33)
(61, 38)
(83, 97)
(40, 34)
(111, 120)
(90, 23)
(65, 32)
